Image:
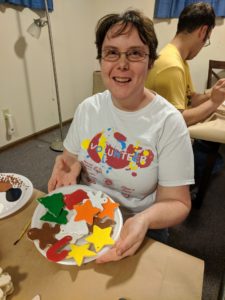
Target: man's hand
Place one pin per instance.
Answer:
(218, 92)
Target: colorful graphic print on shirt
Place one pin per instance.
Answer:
(111, 149)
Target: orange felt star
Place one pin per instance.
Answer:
(108, 210)
(79, 252)
(100, 237)
(85, 212)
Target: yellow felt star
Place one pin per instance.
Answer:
(100, 237)
(78, 253)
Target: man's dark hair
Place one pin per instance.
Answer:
(134, 18)
(196, 15)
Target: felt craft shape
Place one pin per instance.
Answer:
(61, 219)
(101, 223)
(85, 212)
(45, 234)
(55, 252)
(75, 198)
(97, 199)
(108, 210)
(78, 253)
(54, 203)
(74, 229)
(100, 237)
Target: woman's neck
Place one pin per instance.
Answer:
(136, 105)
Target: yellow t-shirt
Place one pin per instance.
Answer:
(170, 77)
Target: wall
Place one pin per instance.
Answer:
(26, 78)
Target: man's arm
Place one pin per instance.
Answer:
(197, 99)
(199, 113)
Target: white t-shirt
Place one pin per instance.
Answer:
(126, 154)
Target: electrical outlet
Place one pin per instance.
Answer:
(8, 122)
(5, 112)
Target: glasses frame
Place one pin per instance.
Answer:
(207, 42)
(126, 53)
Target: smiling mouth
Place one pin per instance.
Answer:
(121, 79)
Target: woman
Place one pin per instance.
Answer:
(128, 141)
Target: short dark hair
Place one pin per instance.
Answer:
(138, 20)
(196, 15)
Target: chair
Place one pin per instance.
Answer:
(98, 85)
(212, 75)
(221, 295)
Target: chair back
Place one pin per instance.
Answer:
(98, 85)
(212, 74)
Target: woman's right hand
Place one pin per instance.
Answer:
(65, 171)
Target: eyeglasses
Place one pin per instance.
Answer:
(207, 42)
(132, 55)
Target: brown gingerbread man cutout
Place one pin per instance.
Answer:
(45, 235)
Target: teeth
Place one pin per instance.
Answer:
(122, 79)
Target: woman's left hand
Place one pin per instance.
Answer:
(131, 237)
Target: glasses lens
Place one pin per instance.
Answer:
(131, 55)
(136, 55)
(110, 55)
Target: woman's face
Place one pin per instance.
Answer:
(124, 79)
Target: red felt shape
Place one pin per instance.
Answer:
(76, 197)
(86, 212)
(54, 253)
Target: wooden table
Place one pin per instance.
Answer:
(156, 272)
(212, 129)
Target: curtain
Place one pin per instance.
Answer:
(33, 4)
(166, 9)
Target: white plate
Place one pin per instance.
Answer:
(41, 210)
(17, 181)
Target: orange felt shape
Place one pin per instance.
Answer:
(85, 212)
(108, 210)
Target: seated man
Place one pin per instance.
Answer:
(170, 75)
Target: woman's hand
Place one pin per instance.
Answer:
(171, 207)
(131, 237)
(65, 172)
